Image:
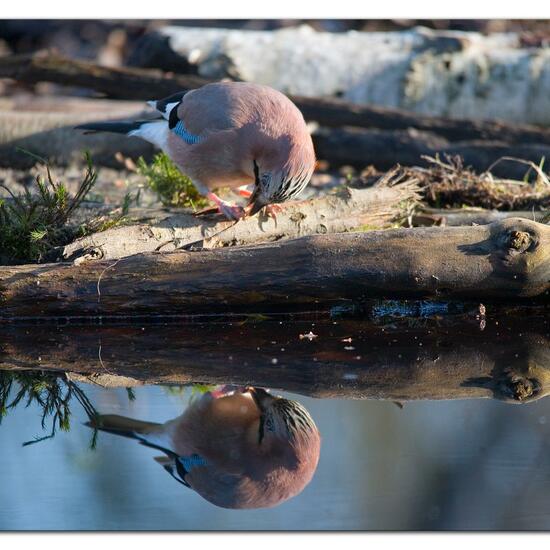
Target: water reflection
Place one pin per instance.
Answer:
(455, 457)
(236, 447)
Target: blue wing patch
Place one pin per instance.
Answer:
(190, 461)
(180, 130)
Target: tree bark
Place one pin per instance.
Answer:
(508, 260)
(353, 359)
(144, 84)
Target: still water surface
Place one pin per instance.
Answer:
(463, 464)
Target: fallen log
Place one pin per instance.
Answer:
(144, 84)
(448, 73)
(470, 216)
(508, 260)
(382, 149)
(116, 83)
(352, 359)
(346, 210)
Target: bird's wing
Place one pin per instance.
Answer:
(168, 108)
(214, 107)
(179, 467)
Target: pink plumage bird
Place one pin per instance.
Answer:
(231, 134)
(240, 448)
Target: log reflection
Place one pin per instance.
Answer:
(351, 358)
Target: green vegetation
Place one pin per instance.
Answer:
(31, 224)
(35, 222)
(201, 389)
(116, 218)
(52, 392)
(172, 187)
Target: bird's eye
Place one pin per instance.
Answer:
(266, 423)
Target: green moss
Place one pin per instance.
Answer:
(172, 187)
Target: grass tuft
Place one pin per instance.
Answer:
(172, 187)
(34, 223)
(31, 224)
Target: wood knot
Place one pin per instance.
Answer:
(297, 217)
(519, 240)
(89, 255)
(322, 229)
(521, 389)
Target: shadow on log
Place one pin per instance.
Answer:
(396, 360)
(508, 260)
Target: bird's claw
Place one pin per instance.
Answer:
(269, 210)
(232, 212)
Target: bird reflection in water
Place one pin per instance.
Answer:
(236, 447)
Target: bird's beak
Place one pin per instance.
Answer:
(256, 206)
(262, 398)
(255, 203)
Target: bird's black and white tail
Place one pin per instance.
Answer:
(122, 425)
(153, 130)
(167, 105)
(149, 434)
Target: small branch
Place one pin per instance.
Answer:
(346, 210)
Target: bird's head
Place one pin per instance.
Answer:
(284, 425)
(281, 175)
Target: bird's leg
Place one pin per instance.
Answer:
(271, 210)
(222, 391)
(230, 211)
(244, 191)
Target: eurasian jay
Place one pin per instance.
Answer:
(231, 134)
(237, 448)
